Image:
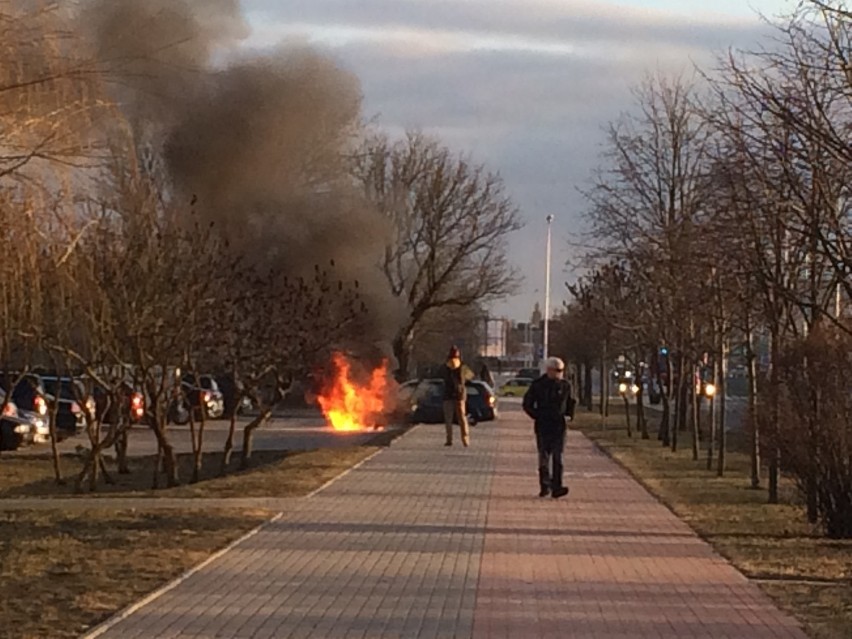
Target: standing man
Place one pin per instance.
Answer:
(548, 402)
(455, 396)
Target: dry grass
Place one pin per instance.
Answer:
(809, 575)
(68, 572)
(271, 474)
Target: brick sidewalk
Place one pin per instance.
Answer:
(609, 563)
(423, 541)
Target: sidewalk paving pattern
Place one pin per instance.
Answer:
(423, 541)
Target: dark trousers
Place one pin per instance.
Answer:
(551, 445)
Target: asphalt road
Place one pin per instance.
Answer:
(281, 433)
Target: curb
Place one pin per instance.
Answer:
(120, 616)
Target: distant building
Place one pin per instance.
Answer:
(496, 339)
(537, 316)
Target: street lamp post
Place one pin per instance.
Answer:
(546, 340)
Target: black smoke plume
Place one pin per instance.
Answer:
(260, 139)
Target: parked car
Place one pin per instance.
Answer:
(202, 392)
(516, 387)
(481, 401)
(131, 399)
(15, 431)
(28, 393)
(69, 393)
(529, 373)
(426, 401)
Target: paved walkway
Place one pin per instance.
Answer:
(427, 542)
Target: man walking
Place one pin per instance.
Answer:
(455, 396)
(548, 401)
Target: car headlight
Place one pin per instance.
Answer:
(22, 429)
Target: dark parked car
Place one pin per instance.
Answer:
(28, 393)
(203, 392)
(481, 401)
(15, 431)
(529, 373)
(69, 393)
(426, 399)
(130, 400)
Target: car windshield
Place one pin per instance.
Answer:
(430, 389)
(66, 388)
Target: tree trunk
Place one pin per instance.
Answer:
(402, 352)
(193, 435)
(679, 424)
(811, 479)
(170, 465)
(682, 393)
(774, 413)
(107, 477)
(248, 432)
(167, 453)
(54, 453)
(665, 435)
(158, 461)
(199, 459)
(695, 415)
(641, 419)
(96, 459)
(121, 450)
(627, 414)
(722, 392)
(604, 374)
(588, 386)
(711, 438)
(229, 442)
(754, 424)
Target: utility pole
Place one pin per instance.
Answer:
(546, 341)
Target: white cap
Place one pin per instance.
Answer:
(554, 363)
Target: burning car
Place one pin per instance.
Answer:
(355, 400)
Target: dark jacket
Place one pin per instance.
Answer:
(548, 402)
(454, 388)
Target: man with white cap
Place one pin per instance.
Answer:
(548, 402)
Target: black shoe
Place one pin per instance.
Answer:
(559, 492)
(448, 443)
(544, 492)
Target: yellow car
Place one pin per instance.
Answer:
(516, 387)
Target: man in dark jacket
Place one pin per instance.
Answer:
(548, 402)
(455, 396)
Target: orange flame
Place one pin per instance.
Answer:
(352, 406)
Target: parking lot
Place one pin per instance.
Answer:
(290, 432)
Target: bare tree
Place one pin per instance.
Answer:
(450, 220)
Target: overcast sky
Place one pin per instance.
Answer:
(525, 86)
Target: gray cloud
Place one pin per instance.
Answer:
(535, 19)
(535, 115)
